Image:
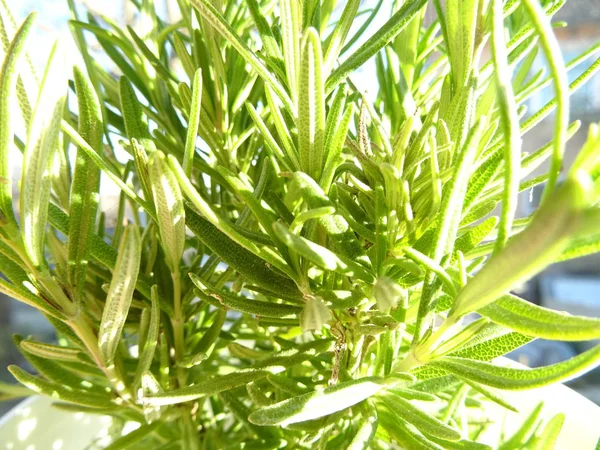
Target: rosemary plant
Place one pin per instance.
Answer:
(292, 260)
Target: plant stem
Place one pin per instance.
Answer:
(177, 323)
(83, 330)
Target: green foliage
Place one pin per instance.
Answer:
(292, 257)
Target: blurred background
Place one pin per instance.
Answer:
(573, 286)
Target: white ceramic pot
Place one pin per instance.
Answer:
(35, 425)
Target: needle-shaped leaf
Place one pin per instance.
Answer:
(290, 39)
(151, 341)
(551, 48)
(275, 364)
(335, 41)
(334, 148)
(270, 140)
(50, 351)
(209, 213)
(366, 431)
(311, 106)
(170, 213)
(102, 162)
(84, 196)
(469, 240)
(58, 391)
(8, 82)
(548, 436)
(14, 391)
(313, 405)
(120, 294)
(532, 320)
(133, 437)
(42, 141)
(529, 252)
(253, 268)
(193, 123)
(510, 378)
(261, 308)
(320, 255)
(375, 43)
(510, 124)
(102, 252)
(461, 24)
(216, 20)
(266, 34)
(265, 216)
(419, 418)
(133, 114)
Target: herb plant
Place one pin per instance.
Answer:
(293, 261)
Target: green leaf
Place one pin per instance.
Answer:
(461, 25)
(275, 364)
(85, 187)
(313, 405)
(419, 418)
(533, 320)
(454, 192)
(253, 268)
(223, 299)
(101, 161)
(290, 16)
(51, 352)
(510, 125)
(265, 216)
(311, 106)
(151, 341)
(193, 124)
(270, 140)
(448, 221)
(287, 385)
(8, 81)
(102, 252)
(134, 437)
(492, 342)
(209, 213)
(548, 436)
(519, 379)
(42, 141)
(335, 41)
(169, 210)
(132, 112)
(314, 315)
(120, 294)
(475, 235)
(58, 391)
(13, 391)
(345, 243)
(207, 343)
(580, 246)
(366, 431)
(525, 431)
(321, 256)
(216, 20)
(551, 49)
(375, 43)
(266, 35)
(404, 433)
(493, 394)
(334, 148)
(529, 252)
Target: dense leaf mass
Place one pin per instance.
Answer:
(293, 258)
